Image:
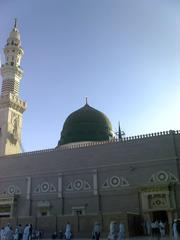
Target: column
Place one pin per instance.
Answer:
(95, 182)
(60, 193)
(170, 220)
(95, 189)
(28, 195)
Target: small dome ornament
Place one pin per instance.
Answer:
(14, 34)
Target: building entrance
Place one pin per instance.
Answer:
(5, 210)
(160, 216)
(7, 206)
(5, 216)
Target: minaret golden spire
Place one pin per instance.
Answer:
(15, 22)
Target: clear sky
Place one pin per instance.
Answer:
(123, 54)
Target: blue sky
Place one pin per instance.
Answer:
(123, 54)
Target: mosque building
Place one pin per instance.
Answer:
(90, 175)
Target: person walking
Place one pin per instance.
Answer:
(2, 234)
(68, 232)
(16, 234)
(96, 231)
(26, 232)
(175, 233)
(20, 231)
(162, 229)
(121, 235)
(176, 229)
(112, 233)
(9, 234)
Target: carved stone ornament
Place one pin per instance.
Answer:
(13, 190)
(13, 127)
(78, 185)
(45, 187)
(115, 182)
(158, 202)
(162, 177)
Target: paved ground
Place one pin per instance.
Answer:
(147, 238)
(133, 238)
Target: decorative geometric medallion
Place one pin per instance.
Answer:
(78, 185)
(114, 182)
(13, 189)
(163, 176)
(45, 187)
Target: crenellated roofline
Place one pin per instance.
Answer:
(91, 144)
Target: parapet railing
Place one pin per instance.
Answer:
(90, 144)
(123, 139)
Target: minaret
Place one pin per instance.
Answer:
(11, 106)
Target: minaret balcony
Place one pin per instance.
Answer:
(12, 101)
(9, 71)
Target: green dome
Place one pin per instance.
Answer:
(86, 124)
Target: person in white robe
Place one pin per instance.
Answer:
(68, 232)
(8, 233)
(121, 235)
(148, 227)
(162, 229)
(175, 233)
(2, 234)
(26, 232)
(6, 230)
(16, 234)
(96, 231)
(112, 231)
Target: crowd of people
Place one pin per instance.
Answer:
(155, 229)
(20, 233)
(159, 229)
(116, 232)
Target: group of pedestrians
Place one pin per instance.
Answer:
(67, 234)
(20, 233)
(158, 229)
(116, 232)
